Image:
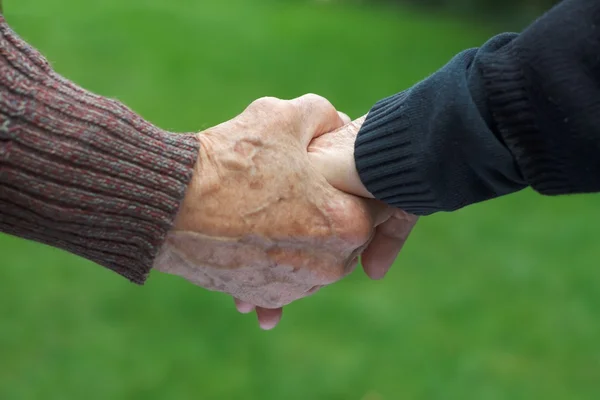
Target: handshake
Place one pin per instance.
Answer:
(276, 210)
(273, 205)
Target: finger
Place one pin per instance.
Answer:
(387, 243)
(243, 307)
(379, 256)
(317, 116)
(313, 290)
(268, 318)
(345, 118)
(379, 211)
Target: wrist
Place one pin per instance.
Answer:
(203, 181)
(332, 154)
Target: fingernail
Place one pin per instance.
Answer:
(376, 274)
(244, 308)
(267, 325)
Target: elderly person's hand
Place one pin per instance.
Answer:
(259, 221)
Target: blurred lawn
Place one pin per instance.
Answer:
(500, 301)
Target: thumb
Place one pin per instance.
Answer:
(332, 154)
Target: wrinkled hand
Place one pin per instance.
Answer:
(259, 221)
(333, 155)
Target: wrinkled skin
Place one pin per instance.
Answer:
(265, 219)
(259, 222)
(333, 155)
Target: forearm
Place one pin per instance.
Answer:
(543, 90)
(431, 148)
(82, 172)
(520, 111)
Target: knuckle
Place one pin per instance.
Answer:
(264, 103)
(317, 102)
(315, 98)
(287, 108)
(285, 114)
(357, 225)
(277, 110)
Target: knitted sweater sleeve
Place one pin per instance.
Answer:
(82, 172)
(521, 111)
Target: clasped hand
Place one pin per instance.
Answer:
(272, 213)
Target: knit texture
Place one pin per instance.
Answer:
(82, 172)
(544, 94)
(522, 110)
(430, 148)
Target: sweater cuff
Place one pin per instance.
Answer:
(82, 172)
(431, 147)
(387, 161)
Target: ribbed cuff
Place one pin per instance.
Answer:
(82, 172)
(430, 148)
(387, 161)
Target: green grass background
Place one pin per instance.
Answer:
(498, 301)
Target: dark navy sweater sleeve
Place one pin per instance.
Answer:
(522, 110)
